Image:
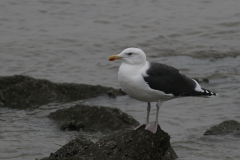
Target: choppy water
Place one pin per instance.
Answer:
(71, 40)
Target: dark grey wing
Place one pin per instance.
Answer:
(170, 81)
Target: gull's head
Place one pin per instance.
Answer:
(133, 56)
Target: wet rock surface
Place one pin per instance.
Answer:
(93, 118)
(226, 127)
(71, 149)
(23, 91)
(126, 145)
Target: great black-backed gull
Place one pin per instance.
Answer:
(153, 82)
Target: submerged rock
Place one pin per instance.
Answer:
(23, 91)
(128, 145)
(226, 127)
(94, 118)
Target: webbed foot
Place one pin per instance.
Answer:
(136, 128)
(152, 127)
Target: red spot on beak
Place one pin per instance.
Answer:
(112, 59)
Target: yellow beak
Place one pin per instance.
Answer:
(114, 57)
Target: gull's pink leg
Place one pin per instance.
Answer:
(148, 111)
(152, 127)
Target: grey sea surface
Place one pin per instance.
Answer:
(71, 40)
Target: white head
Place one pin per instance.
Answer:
(133, 56)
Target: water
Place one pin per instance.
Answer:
(71, 40)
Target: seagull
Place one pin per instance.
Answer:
(153, 82)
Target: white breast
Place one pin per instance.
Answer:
(131, 81)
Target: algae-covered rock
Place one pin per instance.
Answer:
(226, 127)
(128, 145)
(93, 118)
(23, 91)
(71, 149)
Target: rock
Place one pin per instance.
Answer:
(114, 93)
(93, 118)
(71, 149)
(72, 125)
(23, 91)
(111, 94)
(226, 127)
(127, 145)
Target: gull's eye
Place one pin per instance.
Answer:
(129, 54)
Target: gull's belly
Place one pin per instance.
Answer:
(139, 93)
(138, 89)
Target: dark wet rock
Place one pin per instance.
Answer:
(111, 94)
(126, 145)
(114, 93)
(23, 91)
(71, 149)
(93, 118)
(72, 125)
(226, 127)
